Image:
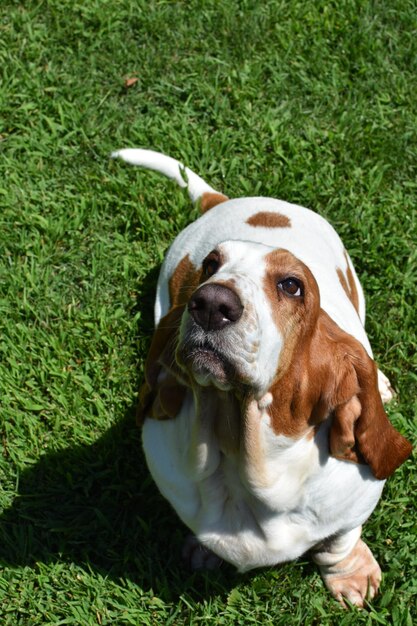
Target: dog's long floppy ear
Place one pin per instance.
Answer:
(163, 391)
(380, 444)
(360, 430)
(161, 396)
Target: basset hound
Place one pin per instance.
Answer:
(263, 423)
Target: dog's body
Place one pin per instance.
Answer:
(263, 424)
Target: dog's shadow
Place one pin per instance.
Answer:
(95, 505)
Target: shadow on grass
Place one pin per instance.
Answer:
(95, 505)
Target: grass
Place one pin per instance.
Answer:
(309, 101)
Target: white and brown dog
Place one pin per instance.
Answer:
(262, 421)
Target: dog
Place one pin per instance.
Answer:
(262, 414)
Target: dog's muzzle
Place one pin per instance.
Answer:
(214, 306)
(206, 349)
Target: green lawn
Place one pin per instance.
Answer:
(311, 101)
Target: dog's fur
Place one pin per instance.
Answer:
(262, 421)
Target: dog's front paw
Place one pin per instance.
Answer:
(356, 578)
(196, 556)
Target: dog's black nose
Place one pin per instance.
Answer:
(214, 306)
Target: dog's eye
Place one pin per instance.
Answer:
(211, 267)
(291, 287)
(211, 264)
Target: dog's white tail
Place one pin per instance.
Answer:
(169, 167)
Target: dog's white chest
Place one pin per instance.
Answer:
(257, 501)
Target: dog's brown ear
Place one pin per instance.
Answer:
(380, 444)
(162, 399)
(162, 393)
(163, 344)
(360, 430)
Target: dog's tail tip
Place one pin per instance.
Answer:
(171, 168)
(134, 156)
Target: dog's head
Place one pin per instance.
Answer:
(243, 324)
(249, 322)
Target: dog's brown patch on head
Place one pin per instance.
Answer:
(183, 281)
(292, 315)
(296, 318)
(210, 199)
(269, 219)
(348, 283)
